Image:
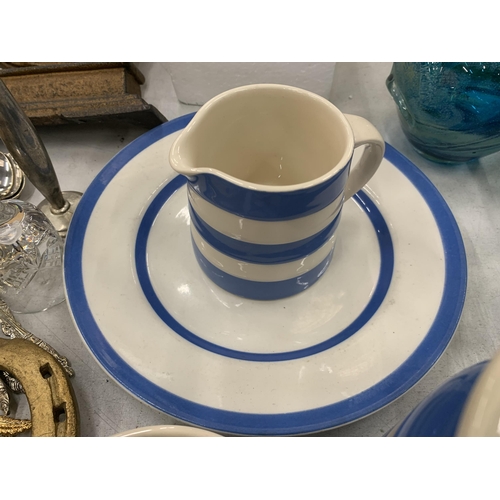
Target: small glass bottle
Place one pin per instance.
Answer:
(31, 257)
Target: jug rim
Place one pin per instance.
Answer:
(192, 172)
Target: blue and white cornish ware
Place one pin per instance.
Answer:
(467, 405)
(269, 245)
(341, 350)
(267, 169)
(439, 414)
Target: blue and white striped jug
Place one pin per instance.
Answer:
(268, 169)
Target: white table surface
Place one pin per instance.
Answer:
(471, 190)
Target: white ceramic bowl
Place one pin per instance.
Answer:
(481, 415)
(167, 431)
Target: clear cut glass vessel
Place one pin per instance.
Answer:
(450, 112)
(31, 257)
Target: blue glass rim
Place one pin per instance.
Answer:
(302, 422)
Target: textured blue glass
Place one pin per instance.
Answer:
(449, 111)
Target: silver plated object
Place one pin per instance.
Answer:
(11, 328)
(28, 151)
(12, 178)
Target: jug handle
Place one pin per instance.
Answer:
(364, 134)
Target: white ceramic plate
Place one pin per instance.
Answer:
(374, 324)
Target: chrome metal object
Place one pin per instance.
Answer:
(23, 143)
(12, 179)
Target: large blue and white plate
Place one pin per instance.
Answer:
(365, 333)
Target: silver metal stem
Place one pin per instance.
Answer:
(23, 143)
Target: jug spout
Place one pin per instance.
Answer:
(195, 151)
(181, 155)
(202, 147)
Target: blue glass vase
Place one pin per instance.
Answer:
(450, 112)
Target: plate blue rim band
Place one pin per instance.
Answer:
(383, 282)
(361, 405)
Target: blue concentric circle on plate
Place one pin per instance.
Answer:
(383, 283)
(301, 422)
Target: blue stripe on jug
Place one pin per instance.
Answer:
(261, 272)
(268, 205)
(258, 290)
(263, 232)
(262, 254)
